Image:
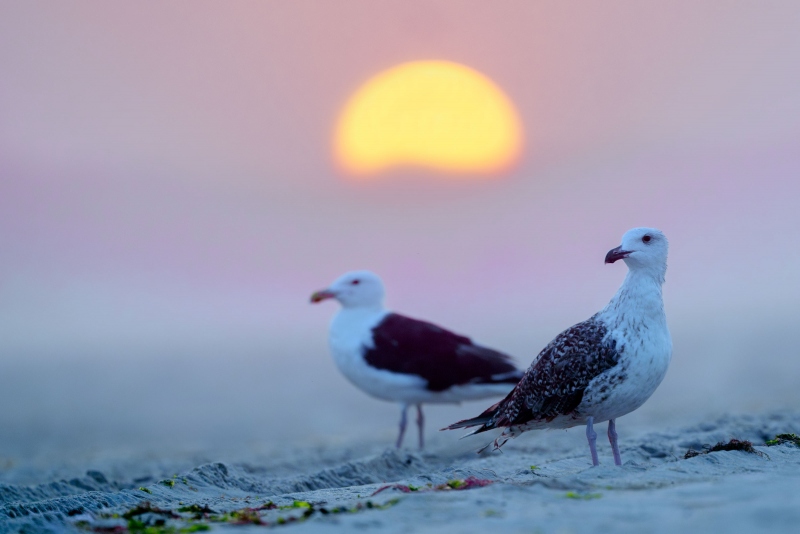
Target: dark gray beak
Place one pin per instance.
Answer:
(617, 254)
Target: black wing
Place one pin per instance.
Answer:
(442, 358)
(556, 380)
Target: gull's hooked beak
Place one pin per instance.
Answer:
(319, 296)
(617, 254)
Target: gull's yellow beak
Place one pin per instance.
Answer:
(319, 296)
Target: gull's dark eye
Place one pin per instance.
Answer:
(646, 239)
(355, 282)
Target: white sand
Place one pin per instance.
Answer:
(656, 490)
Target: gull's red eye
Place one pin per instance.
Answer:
(646, 239)
(355, 282)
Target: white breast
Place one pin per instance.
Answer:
(638, 325)
(350, 333)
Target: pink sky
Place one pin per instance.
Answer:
(166, 180)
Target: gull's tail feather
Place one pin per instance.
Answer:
(486, 420)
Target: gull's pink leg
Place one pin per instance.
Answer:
(420, 425)
(591, 435)
(403, 421)
(612, 438)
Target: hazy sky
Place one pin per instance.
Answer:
(167, 188)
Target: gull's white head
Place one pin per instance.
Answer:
(642, 249)
(356, 289)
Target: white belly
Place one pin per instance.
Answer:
(380, 384)
(628, 385)
(350, 333)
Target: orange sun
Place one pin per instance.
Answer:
(437, 115)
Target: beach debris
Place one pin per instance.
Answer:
(582, 496)
(198, 511)
(732, 445)
(468, 483)
(243, 516)
(147, 508)
(103, 529)
(780, 439)
(252, 516)
(454, 484)
(400, 487)
(148, 519)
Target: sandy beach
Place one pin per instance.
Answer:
(541, 482)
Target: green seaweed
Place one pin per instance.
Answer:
(294, 505)
(245, 516)
(454, 484)
(146, 490)
(780, 439)
(134, 525)
(467, 483)
(169, 483)
(582, 496)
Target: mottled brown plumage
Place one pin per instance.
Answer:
(602, 368)
(555, 382)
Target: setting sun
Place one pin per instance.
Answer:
(437, 115)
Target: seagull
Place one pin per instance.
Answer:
(602, 368)
(400, 359)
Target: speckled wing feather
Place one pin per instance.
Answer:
(556, 380)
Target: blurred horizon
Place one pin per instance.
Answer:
(169, 201)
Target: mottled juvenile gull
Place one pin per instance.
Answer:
(400, 359)
(602, 368)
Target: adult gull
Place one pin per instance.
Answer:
(397, 358)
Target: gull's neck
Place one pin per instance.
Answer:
(361, 313)
(638, 297)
